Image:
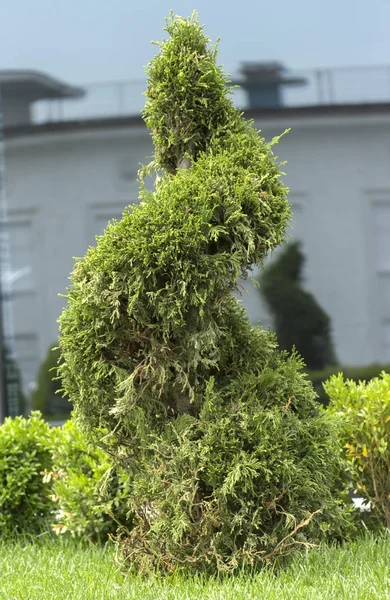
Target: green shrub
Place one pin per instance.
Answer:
(231, 460)
(51, 477)
(364, 410)
(25, 452)
(89, 493)
(360, 373)
(15, 403)
(299, 320)
(46, 397)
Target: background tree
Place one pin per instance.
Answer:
(230, 459)
(298, 319)
(13, 380)
(46, 397)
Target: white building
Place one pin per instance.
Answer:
(66, 178)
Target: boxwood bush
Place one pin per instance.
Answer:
(355, 373)
(88, 491)
(25, 452)
(364, 412)
(52, 479)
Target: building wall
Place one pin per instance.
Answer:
(16, 110)
(62, 190)
(329, 172)
(61, 194)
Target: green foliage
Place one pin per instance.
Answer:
(230, 459)
(13, 384)
(46, 397)
(299, 321)
(364, 411)
(243, 482)
(52, 476)
(360, 373)
(88, 491)
(187, 103)
(149, 309)
(25, 452)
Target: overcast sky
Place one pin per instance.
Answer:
(84, 41)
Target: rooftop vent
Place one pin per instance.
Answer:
(263, 82)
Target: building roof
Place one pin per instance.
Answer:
(35, 85)
(302, 112)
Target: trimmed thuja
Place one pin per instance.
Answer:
(231, 461)
(299, 321)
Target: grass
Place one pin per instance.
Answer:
(65, 571)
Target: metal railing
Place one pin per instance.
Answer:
(102, 100)
(340, 85)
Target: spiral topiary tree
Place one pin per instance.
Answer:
(230, 459)
(299, 321)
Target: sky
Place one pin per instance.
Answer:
(84, 41)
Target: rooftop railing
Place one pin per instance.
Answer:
(340, 85)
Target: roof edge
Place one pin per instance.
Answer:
(302, 112)
(63, 90)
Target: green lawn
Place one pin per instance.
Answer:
(39, 571)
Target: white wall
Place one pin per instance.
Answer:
(16, 110)
(61, 193)
(63, 188)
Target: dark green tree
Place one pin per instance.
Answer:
(14, 397)
(299, 321)
(46, 397)
(230, 459)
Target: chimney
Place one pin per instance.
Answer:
(263, 81)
